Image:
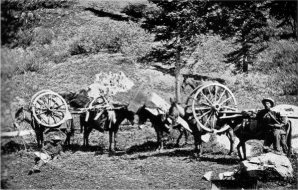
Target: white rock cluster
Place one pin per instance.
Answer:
(109, 84)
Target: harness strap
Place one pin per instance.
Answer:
(270, 114)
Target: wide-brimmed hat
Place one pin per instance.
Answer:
(270, 100)
(56, 138)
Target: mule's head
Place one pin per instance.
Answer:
(20, 115)
(141, 115)
(129, 115)
(173, 112)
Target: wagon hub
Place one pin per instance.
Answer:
(215, 107)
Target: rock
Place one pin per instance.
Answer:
(266, 166)
(207, 176)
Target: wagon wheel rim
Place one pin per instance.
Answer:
(209, 101)
(38, 93)
(49, 109)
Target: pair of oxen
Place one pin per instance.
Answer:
(110, 120)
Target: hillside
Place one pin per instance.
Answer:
(62, 48)
(71, 45)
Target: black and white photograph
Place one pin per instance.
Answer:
(149, 94)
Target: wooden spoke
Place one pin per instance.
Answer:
(59, 116)
(42, 104)
(206, 98)
(215, 93)
(41, 109)
(201, 116)
(202, 108)
(56, 103)
(209, 91)
(208, 119)
(226, 100)
(229, 108)
(221, 95)
(41, 113)
(52, 115)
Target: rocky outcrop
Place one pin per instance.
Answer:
(266, 166)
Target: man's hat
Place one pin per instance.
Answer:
(56, 138)
(270, 100)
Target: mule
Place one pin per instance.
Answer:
(26, 115)
(182, 132)
(158, 121)
(107, 121)
(197, 131)
(248, 129)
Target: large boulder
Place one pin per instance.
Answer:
(266, 166)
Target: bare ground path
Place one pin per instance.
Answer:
(138, 167)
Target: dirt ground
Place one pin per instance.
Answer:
(136, 166)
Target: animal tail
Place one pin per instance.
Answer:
(289, 138)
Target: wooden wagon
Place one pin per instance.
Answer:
(50, 109)
(212, 102)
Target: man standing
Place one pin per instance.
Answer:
(274, 127)
(50, 151)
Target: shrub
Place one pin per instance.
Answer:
(22, 15)
(114, 37)
(19, 60)
(43, 35)
(135, 10)
(280, 62)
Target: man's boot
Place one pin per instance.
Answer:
(37, 166)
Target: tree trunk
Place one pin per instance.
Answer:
(296, 22)
(245, 64)
(177, 77)
(296, 25)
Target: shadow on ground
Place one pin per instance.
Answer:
(113, 16)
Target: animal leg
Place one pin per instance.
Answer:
(67, 140)
(179, 138)
(239, 152)
(115, 140)
(231, 136)
(198, 148)
(186, 137)
(244, 150)
(111, 148)
(37, 138)
(159, 141)
(86, 135)
(162, 140)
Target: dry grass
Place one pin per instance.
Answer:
(137, 165)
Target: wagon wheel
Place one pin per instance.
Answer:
(208, 101)
(38, 93)
(49, 109)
